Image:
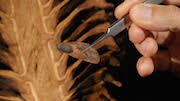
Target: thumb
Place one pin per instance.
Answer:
(156, 17)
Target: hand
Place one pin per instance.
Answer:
(154, 25)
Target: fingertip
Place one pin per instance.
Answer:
(121, 10)
(148, 47)
(136, 34)
(116, 12)
(145, 66)
(124, 7)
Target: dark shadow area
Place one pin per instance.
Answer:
(158, 85)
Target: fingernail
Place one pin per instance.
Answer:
(142, 12)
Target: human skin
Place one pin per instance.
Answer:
(154, 25)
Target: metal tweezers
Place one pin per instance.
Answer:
(118, 26)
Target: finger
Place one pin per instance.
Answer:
(161, 60)
(156, 17)
(148, 47)
(124, 8)
(136, 34)
(164, 38)
(145, 66)
(172, 2)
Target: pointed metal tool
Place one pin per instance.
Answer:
(119, 25)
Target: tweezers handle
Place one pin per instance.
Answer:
(154, 1)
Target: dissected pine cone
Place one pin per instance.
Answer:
(33, 69)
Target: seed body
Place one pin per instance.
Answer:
(65, 48)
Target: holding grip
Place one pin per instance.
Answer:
(121, 24)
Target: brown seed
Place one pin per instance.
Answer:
(75, 49)
(65, 48)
